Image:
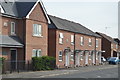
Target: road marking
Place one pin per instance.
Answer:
(98, 76)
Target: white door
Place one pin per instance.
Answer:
(93, 58)
(77, 59)
(99, 57)
(86, 58)
(67, 59)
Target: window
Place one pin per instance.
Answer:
(90, 42)
(96, 42)
(72, 39)
(36, 53)
(37, 30)
(61, 38)
(12, 28)
(81, 41)
(111, 46)
(116, 46)
(4, 53)
(60, 56)
(72, 56)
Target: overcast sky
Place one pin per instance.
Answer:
(97, 15)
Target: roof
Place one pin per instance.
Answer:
(106, 37)
(17, 9)
(21, 8)
(117, 40)
(67, 25)
(10, 41)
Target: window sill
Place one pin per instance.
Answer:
(61, 43)
(90, 45)
(72, 44)
(60, 60)
(81, 59)
(72, 60)
(37, 36)
(81, 45)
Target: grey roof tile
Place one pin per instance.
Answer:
(18, 9)
(70, 26)
(6, 40)
(106, 37)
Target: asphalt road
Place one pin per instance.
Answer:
(102, 73)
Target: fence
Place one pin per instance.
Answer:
(16, 66)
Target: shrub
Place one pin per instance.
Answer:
(1, 61)
(43, 63)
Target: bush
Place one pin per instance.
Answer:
(43, 63)
(1, 61)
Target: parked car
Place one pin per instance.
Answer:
(113, 60)
(103, 59)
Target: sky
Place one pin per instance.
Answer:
(97, 15)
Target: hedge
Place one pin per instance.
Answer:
(43, 63)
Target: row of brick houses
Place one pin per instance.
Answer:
(73, 44)
(26, 31)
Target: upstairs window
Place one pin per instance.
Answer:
(72, 39)
(90, 42)
(61, 38)
(36, 53)
(81, 41)
(37, 30)
(97, 42)
(12, 28)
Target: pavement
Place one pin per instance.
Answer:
(45, 74)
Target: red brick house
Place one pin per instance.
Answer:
(118, 51)
(23, 30)
(108, 45)
(73, 44)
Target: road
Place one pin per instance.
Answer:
(102, 73)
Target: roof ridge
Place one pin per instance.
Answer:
(71, 26)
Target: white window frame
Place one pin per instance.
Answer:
(12, 28)
(60, 55)
(37, 54)
(90, 41)
(72, 39)
(97, 42)
(37, 30)
(72, 56)
(61, 38)
(82, 41)
(116, 46)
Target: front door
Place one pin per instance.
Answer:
(13, 59)
(66, 59)
(77, 60)
(99, 57)
(93, 57)
(86, 58)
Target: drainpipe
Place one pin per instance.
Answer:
(95, 51)
(74, 48)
